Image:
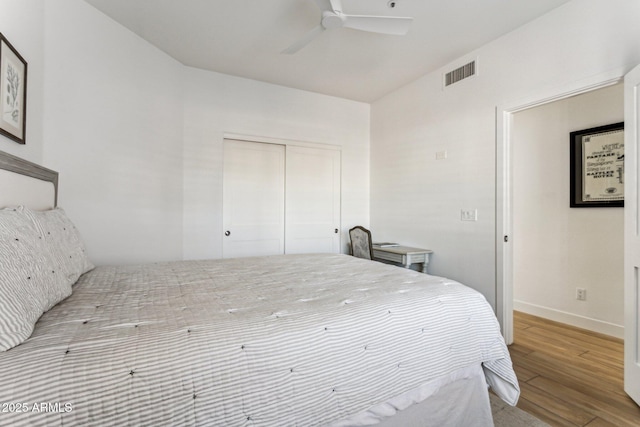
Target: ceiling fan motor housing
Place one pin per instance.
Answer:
(333, 17)
(332, 20)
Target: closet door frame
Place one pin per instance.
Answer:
(296, 143)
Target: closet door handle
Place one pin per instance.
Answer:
(335, 231)
(227, 233)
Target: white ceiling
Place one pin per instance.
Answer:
(245, 37)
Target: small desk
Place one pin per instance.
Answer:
(403, 255)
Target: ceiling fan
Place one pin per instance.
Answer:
(332, 17)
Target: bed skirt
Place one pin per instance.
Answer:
(458, 399)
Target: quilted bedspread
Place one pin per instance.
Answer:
(297, 340)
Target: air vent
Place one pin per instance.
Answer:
(461, 73)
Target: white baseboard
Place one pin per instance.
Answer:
(570, 319)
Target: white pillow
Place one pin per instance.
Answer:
(29, 281)
(63, 241)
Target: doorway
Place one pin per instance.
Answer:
(567, 262)
(504, 211)
(504, 190)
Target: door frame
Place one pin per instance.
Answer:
(304, 144)
(280, 141)
(504, 190)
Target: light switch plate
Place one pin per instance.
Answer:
(469, 215)
(441, 155)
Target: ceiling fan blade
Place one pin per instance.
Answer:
(336, 5)
(379, 24)
(305, 40)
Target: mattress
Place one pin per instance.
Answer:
(299, 340)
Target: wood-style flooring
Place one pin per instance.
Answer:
(570, 376)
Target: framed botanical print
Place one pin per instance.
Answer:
(597, 167)
(13, 92)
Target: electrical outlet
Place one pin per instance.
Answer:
(469, 215)
(441, 155)
(581, 294)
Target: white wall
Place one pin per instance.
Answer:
(22, 23)
(416, 199)
(557, 248)
(113, 129)
(216, 104)
(137, 137)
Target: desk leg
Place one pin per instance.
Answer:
(425, 264)
(406, 261)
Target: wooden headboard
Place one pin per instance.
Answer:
(26, 183)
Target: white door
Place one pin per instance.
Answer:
(631, 236)
(313, 200)
(253, 199)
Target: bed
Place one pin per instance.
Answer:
(291, 340)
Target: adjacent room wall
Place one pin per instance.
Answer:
(22, 23)
(218, 104)
(557, 248)
(416, 199)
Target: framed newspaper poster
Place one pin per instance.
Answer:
(597, 167)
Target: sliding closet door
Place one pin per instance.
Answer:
(313, 200)
(253, 199)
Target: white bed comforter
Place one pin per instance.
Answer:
(298, 340)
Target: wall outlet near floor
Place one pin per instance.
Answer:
(581, 294)
(469, 215)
